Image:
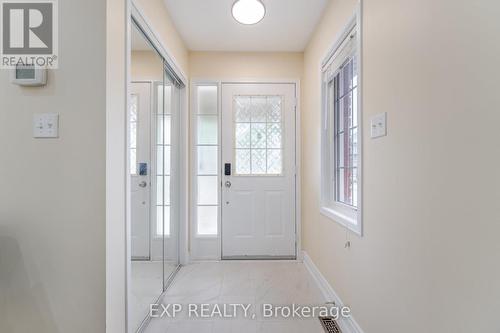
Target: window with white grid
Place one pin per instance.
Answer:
(207, 152)
(258, 135)
(341, 132)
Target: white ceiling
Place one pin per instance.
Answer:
(207, 25)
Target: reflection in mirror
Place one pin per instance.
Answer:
(153, 149)
(170, 144)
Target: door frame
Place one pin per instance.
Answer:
(213, 244)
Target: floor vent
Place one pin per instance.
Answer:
(329, 325)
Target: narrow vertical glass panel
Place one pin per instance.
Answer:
(259, 136)
(242, 135)
(134, 102)
(133, 161)
(353, 149)
(242, 161)
(164, 129)
(354, 71)
(207, 99)
(341, 185)
(242, 108)
(347, 77)
(350, 183)
(166, 221)
(348, 109)
(168, 99)
(274, 161)
(161, 94)
(341, 162)
(259, 161)
(167, 190)
(355, 187)
(163, 165)
(274, 135)
(207, 130)
(274, 109)
(167, 160)
(207, 160)
(339, 116)
(159, 190)
(133, 134)
(355, 107)
(159, 220)
(159, 160)
(207, 190)
(206, 220)
(259, 109)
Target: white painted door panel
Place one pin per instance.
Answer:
(258, 198)
(140, 184)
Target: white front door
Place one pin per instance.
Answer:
(140, 165)
(258, 170)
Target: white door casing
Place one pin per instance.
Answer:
(140, 134)
(258, 198)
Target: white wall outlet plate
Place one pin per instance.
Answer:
(46, 125)
(379, 125)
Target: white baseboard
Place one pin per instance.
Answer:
(348, 325)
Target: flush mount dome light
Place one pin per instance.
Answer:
(248, 11)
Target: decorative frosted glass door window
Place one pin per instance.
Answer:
(258, 133)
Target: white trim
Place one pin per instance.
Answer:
(348, 325)
(204, 242)
(352, 219)
(184, 177)
(117, 46)
(298, 158)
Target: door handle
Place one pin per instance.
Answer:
(143, 184)
(228, 184)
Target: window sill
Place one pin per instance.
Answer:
(348, 221)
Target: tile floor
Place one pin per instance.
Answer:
(145, 286)
(248, 282)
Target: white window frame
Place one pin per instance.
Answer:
(202, 247)
(348, 216)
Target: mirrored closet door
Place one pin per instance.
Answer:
(153, 149)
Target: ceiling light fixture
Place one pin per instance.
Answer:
(248, 11)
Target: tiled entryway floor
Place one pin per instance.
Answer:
(248, 282)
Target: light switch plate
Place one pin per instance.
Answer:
(379, 125)
(46, 125)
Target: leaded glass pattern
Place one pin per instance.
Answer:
(258, 135)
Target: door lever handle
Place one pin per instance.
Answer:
(228, 184)
(143, 184)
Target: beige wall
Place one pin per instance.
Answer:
(245, 65)
(428, 261)
(52, 191)
(156, 14)
(146, 65)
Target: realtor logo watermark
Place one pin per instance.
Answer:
(29, 33)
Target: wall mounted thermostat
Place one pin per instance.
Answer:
(29, 75)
